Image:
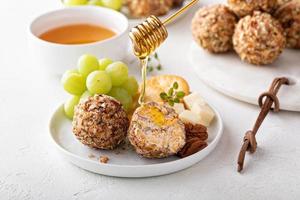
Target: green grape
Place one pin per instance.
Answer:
(118, 72)
(85, 96)
(131, 85)
(98, 82)
(95, 2)
(69, 106)
(112, 4)
(104, 62)
(75, 2)
(73, 83)
(87, 64)
(123, 96)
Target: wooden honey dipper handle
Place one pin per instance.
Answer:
(179, 12)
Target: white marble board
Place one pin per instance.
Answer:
(230, 76)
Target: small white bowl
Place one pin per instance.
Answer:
(56, 58)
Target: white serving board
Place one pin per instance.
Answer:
(123, 162)
(230, 76)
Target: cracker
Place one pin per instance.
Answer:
(162, 83)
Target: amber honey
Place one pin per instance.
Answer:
(77, 34)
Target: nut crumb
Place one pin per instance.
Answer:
(104, 159)
(92, 156)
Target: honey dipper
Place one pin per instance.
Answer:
(150, 34)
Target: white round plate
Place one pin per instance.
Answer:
(123, 162)
(135, 20)
(230, 76)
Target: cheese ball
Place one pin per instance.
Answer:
(145, 8)
(213, 27)
(281, 2)
(247, 7)
(100, 122)
(125, 2)
(289, 17)
(156, 131)
(177, 3)
(258, 39)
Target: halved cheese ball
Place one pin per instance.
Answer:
(156, 131)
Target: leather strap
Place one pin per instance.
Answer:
(266, 100)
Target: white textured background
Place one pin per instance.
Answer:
(31, 168)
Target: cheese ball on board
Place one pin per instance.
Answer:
(258, 39)
(156, 131)
(213, 27)
(177, 3)
(145, 8)
(281, 2)
(289, 17)
(100, 122)
(247, 7)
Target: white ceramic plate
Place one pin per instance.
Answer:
(123, 162)
(135, 20)
(230, 76)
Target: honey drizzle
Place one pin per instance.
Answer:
(146, 38)
(144, 63)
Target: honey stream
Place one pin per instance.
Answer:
(144, 63)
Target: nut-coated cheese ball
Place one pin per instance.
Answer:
(289, 17)
(259, 39)
(145, 8)
(213, 27)
(247, 7)
(100, 122)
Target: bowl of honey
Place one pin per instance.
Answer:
(59, 37)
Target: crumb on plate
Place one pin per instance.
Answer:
(103, 159)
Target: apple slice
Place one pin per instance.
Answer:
(205, 113)
(188, 116)
(193, 98)
(179, 108)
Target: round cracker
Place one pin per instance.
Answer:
(162, 83)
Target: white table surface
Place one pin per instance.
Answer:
(31, 168)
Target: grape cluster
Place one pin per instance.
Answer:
(94, 76)
(112, 4)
